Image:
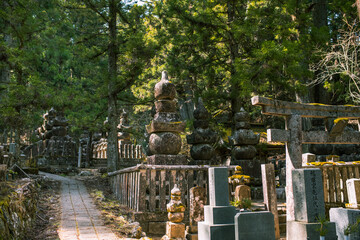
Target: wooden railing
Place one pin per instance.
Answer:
(146, 188)
(334, 181)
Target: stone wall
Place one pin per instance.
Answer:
(18, 202)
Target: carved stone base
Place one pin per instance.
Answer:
(160, 159)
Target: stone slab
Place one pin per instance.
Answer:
(162, 159)
(175, 230)
(254, 226)
(342, 218)
(308, 231)
(353, 190)
(219, 214)
(308, 195)
(165, 127)
(216, 232)
(242, 192)
(218, 186)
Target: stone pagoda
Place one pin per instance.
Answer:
(243, 141)
(202, 139)
(123, 129)
(165, 129)
(175, 229)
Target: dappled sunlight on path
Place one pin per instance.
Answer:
(80, 220)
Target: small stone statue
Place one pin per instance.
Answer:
(175, 207)
(175, 229)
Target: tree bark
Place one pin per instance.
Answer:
(112, 147)
(357, 3)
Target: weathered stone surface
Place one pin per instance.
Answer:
(254, 226)
(167, 117)
(244, 136)
(308, 195)
(353, 190)
(165, 89)
(218, 186)
(242, 192)
(165, 106)
(302, 230)
(201, 135)
(242, 116)
(204, 124)
(244, 152)
(157, 227)
(202, 152)
(197, 203)
(154, 127)
(175, 230)
(165, 143)
(162, 159)
(200, 112)
(342, 217)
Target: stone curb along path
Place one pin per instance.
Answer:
(80, 220)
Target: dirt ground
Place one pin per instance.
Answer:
(48, 213)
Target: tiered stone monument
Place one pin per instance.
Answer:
(123, 129)
(175, 229)
(243, 141)
(196, 212)
(165, 140)
(203, 137)
(55, 146)
(219, 215)
(309, 206)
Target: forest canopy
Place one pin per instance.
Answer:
(94, 58)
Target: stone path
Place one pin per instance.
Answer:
(80, 220)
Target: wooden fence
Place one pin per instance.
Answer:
(334, 181)
(146, 188)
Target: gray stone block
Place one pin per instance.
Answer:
(216, 232)
(218, 186)
(254, 226)
(308, 231)
(342, 218)
(219, 214)
(308, 195)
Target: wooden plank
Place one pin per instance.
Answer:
(162, 190)
(331, 177)
(344, 173)
(182, 185)
(325, 184)
(337, 184)
(283, 108)
(142, 190)
(357, 171)
(137, 189)
(152, 201)
(190, 183)
(351, 173)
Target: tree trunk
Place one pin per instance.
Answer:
(357, 3)
(112, 147)
(319, 15)
(236, 101)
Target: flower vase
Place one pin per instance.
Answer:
(322, 237)
(346, 237)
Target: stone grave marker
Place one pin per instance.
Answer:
(242, 192)
(342, 218)
(309, 206)
(219, 215)
(196, 212)
(294, 137)
(353, 190)
(254, 226)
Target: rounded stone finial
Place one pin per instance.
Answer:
(175, 208)
(175, 191)
(165, 89)
(200, 112)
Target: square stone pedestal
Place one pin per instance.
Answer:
(342, 218)
(162, 159)
(308, 231)
(209, 231)
(175, 230)
(254, 226)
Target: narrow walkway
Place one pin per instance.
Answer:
(80, 220)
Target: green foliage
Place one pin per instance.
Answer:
(245, 203)
(352, 228)
(322, 229)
